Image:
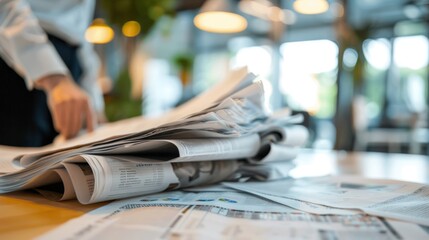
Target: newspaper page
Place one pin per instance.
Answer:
(186, 150)
(294, 135)
(7, 154)
(387, 198)
(60, 190)
(305, 206)
(229, 215)
(265, 172)
(274, 153)
(101, 178)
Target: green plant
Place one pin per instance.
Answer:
(145, 12)
(119, 104)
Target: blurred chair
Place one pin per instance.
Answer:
(420, 134)
(394, 138)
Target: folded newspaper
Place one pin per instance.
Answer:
(227, 133)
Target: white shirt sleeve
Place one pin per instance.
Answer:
(90, 65)
(24, 45)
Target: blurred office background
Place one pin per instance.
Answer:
(357, 69)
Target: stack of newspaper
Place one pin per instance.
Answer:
(227, 133)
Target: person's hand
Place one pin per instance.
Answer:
(69, 105)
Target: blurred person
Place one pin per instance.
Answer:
(48, 71)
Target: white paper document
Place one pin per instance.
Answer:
(305, 206)
(101, 178)
(228, 215)
(387, 198)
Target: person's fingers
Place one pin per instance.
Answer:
(89, 115)
(67, 118)
(55, 117)
(61, 115)
(70, 107)
(74, 114)
(77, 119)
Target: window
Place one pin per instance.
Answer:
(258, 60)
(378, 55)
(308, 76)
(411, 60)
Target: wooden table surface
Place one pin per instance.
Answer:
(25, 215)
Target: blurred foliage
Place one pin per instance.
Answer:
(349, 36)
(328, 94)
(119, 103)
(374, 86)
(184, 61)
(145, 12)
(361, 34)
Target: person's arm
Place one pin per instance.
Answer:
(25, 47)
(90, 64)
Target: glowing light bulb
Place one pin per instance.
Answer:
(311, 6)
(220, 22)
(131, 29)
(99, 32)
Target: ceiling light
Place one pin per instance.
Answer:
(99, 32)
(131, 29)
(311, 6)
(216, 16)
(412, 11)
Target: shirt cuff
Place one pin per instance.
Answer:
(39, 61)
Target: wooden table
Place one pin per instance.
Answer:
(25, 215)
(405, 167)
